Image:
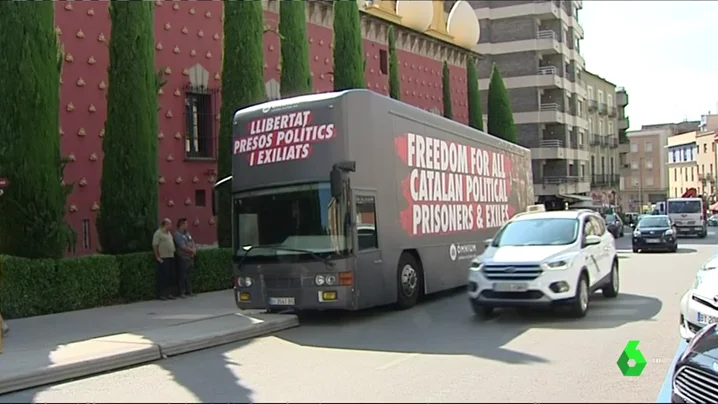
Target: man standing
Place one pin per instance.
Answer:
(164, 248)
(186, 250)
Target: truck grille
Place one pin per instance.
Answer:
(511, 272)
(696, 386)
(278, 281)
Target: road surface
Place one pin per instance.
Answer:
(436, 352)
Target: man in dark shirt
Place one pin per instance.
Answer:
(186, 250)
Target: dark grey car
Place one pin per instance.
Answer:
(614, 224)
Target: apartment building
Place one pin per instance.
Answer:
(682, 152)
(602, 118)
(707, 164)
(536, 44)
(644, 178)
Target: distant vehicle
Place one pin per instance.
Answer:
(698, 305)
(688, 215)
(655, 232)
(614, 224)
(349, 200)
(545, 258)
(695, 374)
(713, 220)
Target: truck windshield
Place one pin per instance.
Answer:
(302, 221)
(537, 232)
(684, 207)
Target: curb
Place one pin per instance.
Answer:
(101, 363)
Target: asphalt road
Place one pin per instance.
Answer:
(436, 352)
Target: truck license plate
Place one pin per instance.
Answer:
(704, 319)
(281, 301)
(510, 287)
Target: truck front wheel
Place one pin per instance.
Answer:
(409, 281)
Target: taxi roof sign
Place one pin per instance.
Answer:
(536, 208)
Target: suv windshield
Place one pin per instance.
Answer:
(302, 220)
(654, 221)
(684, 207)
(534, 232)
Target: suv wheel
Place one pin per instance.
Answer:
(579, 306)
(611, 289)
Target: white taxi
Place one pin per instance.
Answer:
(699, 306)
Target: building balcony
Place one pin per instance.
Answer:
(540, 9)
(545, 77)
(561, 185)
(599, 180)
(547, 113)
(546, 42)
(594, 140)
(605, 141)
(592, 105)
(555, 149)
(621, 97)
(612, 111)
(602, 108)
(613, 142)
(624, 123)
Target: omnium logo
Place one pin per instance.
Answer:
(462, 251)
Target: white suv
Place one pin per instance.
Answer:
(545, 258)
(699, 306)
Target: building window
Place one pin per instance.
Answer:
(635, 181)
(200, 198)
(609, 100)
(649, 147)
(600, 127)
(579, 109)
(200, 123)
(610, 129)
(705, 147)
(634, 165)
(675, 174)
(649, 164)
(590, 126)
(366, 222)
(600, 96)
(86, 235)
(589, 91)
(634, 147)
(583, 170)
(649, 181)
(383, 61)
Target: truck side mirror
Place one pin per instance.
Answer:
(215, 193)
(336, 182)
(215, 208)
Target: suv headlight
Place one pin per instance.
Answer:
(476, 266)
(668, 232)
(558, 265)
(636, 233)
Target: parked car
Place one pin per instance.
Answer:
(699, 306)
(713, 220)
(695, 375)
(655, 232)
(614, 224)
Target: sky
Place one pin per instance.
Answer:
(664, 53)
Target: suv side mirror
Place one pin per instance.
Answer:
(591, 240)
(488, 242)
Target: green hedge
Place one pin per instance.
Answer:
(31, 287)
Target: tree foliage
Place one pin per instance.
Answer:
(476, 119)
(349, 61)
(32, 222)
(446, 88)
(394, 83)
(242, 86)
(129, 195)
(501, 118)
(295, 78)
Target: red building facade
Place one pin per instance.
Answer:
(188, 36)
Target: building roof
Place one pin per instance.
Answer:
(600, 78)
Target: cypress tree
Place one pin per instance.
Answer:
(242, 86)
(128, 202)
(394, 83)
(446, 88)
(348, 47)
(33, 207)
(476, 119)
(296, 78)
(501, 118)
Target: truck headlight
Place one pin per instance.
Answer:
(476, 266)
(330, 280)
(558, 265)
(244, 281)
(319, 280)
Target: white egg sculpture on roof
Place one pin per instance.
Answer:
(416, 15)
(463, 24)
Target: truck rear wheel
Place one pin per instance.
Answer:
(409, 281)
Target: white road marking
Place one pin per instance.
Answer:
(397, 361)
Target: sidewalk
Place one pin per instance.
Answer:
(53, 348)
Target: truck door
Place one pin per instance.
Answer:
(369, 264)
